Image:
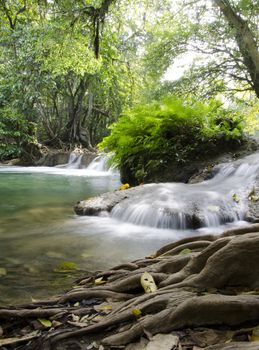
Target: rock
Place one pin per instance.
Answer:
(57, 157)
(104, 202)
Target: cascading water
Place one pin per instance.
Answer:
(38, 229)
(222, 199)
(101, 163)
(74, 161)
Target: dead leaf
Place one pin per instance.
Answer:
(148, 283)
(103, 307)
(141, 345)
(255, 334)
(3, 271)
(77, 324)
(163, 341)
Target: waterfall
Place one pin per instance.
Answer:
(101, 164)
(74, 161)
(220, 200)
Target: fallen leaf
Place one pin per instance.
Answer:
(75, 318)
(99, 281)
(46, 323)
(255, 334)
(185, 251)
(148, 283)
(77, 324)
(136, 312)
(163, 341)
(103, 307)
(124, 187)
(3, 271)
(66, 266)
(235, 198)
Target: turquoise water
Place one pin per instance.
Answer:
(39, 231)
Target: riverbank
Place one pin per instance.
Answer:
(206, 297)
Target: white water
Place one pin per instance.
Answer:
(38, 228)
(222, 199)
(98, 167)
(74, 161)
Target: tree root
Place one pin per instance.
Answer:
(215, 285)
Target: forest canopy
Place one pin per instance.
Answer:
(68, 69)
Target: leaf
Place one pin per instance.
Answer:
(103, 307)
(45, 323)
(185, 251)
(148, 283)
(3, 271)
(235, 198)
(124, 187)
(136, 312)
(77, 303)
(99, 281)
(254, 198)
(66, 266)
(255, 334)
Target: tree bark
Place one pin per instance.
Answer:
(245, 40)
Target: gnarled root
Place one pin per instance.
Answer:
(192, 292)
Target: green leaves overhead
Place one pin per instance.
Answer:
(66, 52)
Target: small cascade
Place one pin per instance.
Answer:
(101, 164)
(74, 161)
(220, 200)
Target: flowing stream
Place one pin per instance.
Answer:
(39, 232)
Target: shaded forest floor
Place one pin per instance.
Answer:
(200, 292)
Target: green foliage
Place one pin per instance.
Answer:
(149, 137)
(15, 132)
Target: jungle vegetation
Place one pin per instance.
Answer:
(70, 69)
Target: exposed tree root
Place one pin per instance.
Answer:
(204, 281)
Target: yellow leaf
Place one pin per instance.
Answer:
(136, 312)
(124, 187)
(235, 198)
(77, 303)
(99, 281)
(148, 283)
(255, 334)
(45, 323)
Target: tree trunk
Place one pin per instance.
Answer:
(246, 41)
(75, 131)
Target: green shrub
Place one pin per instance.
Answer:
(148, 137)
(15, 132)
